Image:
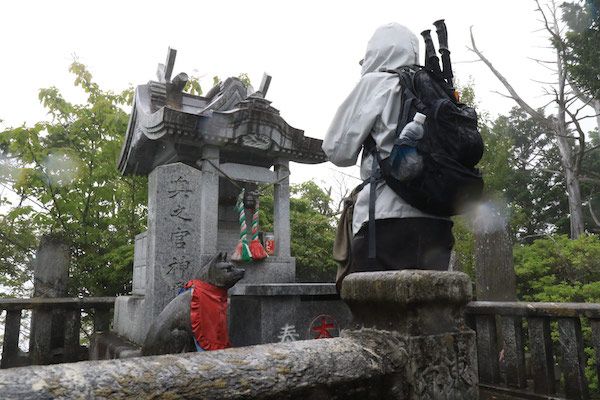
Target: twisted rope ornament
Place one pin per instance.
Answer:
(242, 251)
(256, 249)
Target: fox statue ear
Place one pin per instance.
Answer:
(214, 259)
(224, 258)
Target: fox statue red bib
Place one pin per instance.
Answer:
(209, 315)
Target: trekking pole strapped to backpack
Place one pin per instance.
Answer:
(442, 33)
(432, 62)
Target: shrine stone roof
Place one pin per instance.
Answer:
(168, 125)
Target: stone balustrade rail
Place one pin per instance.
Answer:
(408, 340)
(502, 341)
(372, 360)
(40, 350)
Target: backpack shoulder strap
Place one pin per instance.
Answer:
(405, 75)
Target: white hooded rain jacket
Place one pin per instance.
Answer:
(372, 108)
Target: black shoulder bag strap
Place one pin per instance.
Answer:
(371, 147)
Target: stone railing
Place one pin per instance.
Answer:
(503, 363)
(408, 340)
(45, 346)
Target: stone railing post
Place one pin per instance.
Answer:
(424, 310)
(51, 279)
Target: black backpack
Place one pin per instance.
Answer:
(449, 183)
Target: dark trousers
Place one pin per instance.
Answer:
(404, 243)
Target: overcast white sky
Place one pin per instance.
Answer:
(311, 48)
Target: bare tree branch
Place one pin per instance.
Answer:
(542, 62)
(513, 94)
(581, 139)
(587, 100)
(567, 136)
(589, 180)
(553, 171)
(592, 148)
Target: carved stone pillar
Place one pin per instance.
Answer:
(281, 209)
(175, 237)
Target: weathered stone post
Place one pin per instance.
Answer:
(424, 311)
(494, 264)
(495, 281)
(51, 276)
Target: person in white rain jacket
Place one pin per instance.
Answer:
(405, 236)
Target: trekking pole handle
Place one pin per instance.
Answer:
(429, 46)
(442, 32)
(432, 62)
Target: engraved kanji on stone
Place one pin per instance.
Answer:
(178, 264)
(179, 186)
(179, 212)
(288, 334)
(178, 238)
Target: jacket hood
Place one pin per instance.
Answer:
(391, 47)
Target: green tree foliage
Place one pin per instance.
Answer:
(582, 44)
(591, 188)
(64, 173)
(555, 268)
(312, 224)
(193, 84)
(463, 246)
(521, 169)
(558, 269)
(16, 239)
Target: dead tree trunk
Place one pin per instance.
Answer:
(571, 162)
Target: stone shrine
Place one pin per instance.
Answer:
(198, 152)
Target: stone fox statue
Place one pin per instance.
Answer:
(197, 318)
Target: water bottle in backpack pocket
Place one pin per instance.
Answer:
(404, 161)
(432, 164)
